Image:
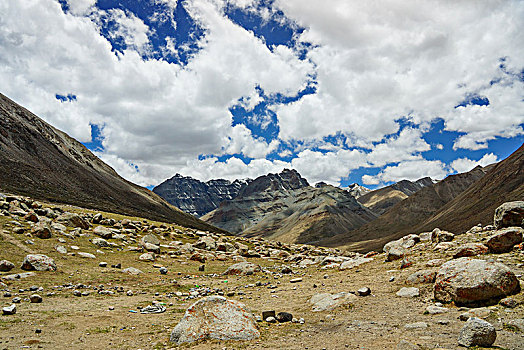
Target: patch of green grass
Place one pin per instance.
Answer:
(67, 325)
(6, 322)
(100, 330)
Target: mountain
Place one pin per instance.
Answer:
(196, 197)
(504, 182)
(284, 207)
(356, 190)
(408, 215)
(45, 163)
(381, 200)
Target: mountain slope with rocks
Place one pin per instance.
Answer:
(408, 215)
(284, 207)
(196, 197)
(43, 162)
(381, 200)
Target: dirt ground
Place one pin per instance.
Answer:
(98, 321)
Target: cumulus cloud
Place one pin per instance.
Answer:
(463, 165)
(409, 170)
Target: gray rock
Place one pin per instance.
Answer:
(435, 310)
(349, 264)
(365, 291)
(102, 264)
(242, 268)
(6, 265)
(215, 317)
(132, 271)
(163, 271)
(271, 319)
(100, 242)
(103, 232)
(422, 276)
(509, 214)
(405, 345)
(205, 242)
(38, 262)
(439, 236)
(467, 281)
(503, 240)
(41, 230)
(327, 302)
(150, 247)
(479, 312)
(73, 220)
(86, 255)
(477, 332)
(9, 310)
(61, 249)
(152, 239)
(284, 317)
(408, 292)
(147, 256)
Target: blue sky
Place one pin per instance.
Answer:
(342, 91)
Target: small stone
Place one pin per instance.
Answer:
(35, 298)
(111, 308)
(409, 292)
(9, 310)
(284, 317)
(38, 331)
(6, 265)
(477, 332)
(61, 249)
(132, 271)
(201, 267)
(435, 310)
(7, 295)
(509, 303)
(129, 293)
(163, 271)
(17, 300)
(77, 293)
(102, 264)
(295, 280)
(86, 255)
(364, 291)
(271, 320)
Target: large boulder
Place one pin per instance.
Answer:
(215, 317)
(6, 265)
(439, 236)
(473, 281)
(505, 239)
(73, 220)
(41, 230)
(509, 214)
(151, 239)
(103, 232)
(38, 262)
(242, 268)
(205, 242)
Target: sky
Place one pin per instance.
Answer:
(343, 91)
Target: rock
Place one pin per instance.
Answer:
(470, 249)
(61, 249)
(286, 270)
(18, 276)
(480, 312)
(467, 281)
(408, 292)
(97, 218)
(38, 262)
(439, 236)
(271, 319)
(295, 280)
(517, 323)
(215, 317)
(266, 314)
(9, 310)
(150, 247)
(365, 291)
(509, 303)
(77, 293)
(422, 276)
(396, 249)
(151, 239)
(503, 240)
(284, 317)
(73, 220)
(206, 242)
(328, 302)
(198, 257)
(435, 310)
(405, 345)
(416, 325)
(147, 257)
(86, 255)
(202, 267)
(394, 254)
(163, 271)
(349, 264)
(41, 230)
(31, 216)
(132, 271)
(242, 268)
(6, 265)
(509, 214)
(102, 264)
(35, 298)
(477, 332)
(435, 262)
(17, 300)
(100, 242)
(103, 232)
(405, 263)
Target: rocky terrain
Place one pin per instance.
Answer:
(284, 207)
(196, 197)
(81, 279)
(356, 190)
(41, 161)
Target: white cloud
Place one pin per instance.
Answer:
(409, 170)
(463, 165)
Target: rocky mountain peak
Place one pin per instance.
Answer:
(288, 179)
(356, 190)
